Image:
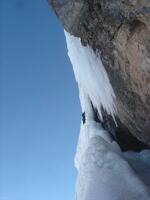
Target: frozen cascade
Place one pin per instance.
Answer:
(91, 76)
(104, 171)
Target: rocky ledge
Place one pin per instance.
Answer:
(120, 30)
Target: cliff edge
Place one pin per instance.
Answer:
(120, 31)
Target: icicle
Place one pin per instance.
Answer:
(91, 77)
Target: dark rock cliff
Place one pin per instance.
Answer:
(120, 30)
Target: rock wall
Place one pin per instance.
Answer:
(120, 30)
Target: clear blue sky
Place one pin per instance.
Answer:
(39, 106)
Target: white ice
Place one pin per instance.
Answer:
(91, 76)
(104, 171)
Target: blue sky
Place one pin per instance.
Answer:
(39, 106)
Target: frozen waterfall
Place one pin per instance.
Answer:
(104, 171)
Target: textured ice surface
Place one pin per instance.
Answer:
(91, 76)
(104, 171)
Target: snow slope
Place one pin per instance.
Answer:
(104, 172)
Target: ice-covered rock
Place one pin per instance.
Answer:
(104, 171)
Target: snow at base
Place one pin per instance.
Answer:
(104, 171)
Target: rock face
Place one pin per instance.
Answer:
(120, 30)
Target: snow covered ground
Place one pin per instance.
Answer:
(104, 171)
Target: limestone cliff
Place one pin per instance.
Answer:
(120, 30)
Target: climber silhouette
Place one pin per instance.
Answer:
(83, 118)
